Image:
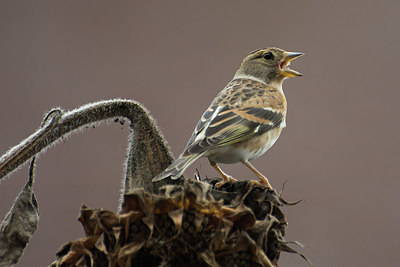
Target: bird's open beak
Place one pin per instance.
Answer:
(284, 65)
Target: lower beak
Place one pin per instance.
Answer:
(285, 71)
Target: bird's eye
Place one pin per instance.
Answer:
(268, 56)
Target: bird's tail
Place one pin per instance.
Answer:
(176, 169)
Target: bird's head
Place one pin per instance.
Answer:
(269, 64)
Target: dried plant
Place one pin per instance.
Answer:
(159, 224)
(148, 153)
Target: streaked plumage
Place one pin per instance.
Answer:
(245, 119)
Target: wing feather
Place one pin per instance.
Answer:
(233, 118)
(240, 125)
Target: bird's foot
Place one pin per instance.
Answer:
(264, 181)
(261, 183)
(225, 179)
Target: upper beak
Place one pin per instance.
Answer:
(285, 71)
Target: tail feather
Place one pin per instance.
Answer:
(176, 169)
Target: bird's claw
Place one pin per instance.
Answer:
(225, 179)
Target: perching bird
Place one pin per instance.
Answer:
(245, 119)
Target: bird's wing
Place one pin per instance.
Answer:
(227, 122)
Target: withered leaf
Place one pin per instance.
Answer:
(187, 225)
(19, 224)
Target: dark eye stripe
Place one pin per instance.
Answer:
(256, 50)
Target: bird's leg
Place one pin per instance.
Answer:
(225, 177)
(263, 179)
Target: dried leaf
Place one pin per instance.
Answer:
(188, 225)
(19, 224)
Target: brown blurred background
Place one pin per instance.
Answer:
(340, 151)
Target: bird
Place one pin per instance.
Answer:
(244, 120)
